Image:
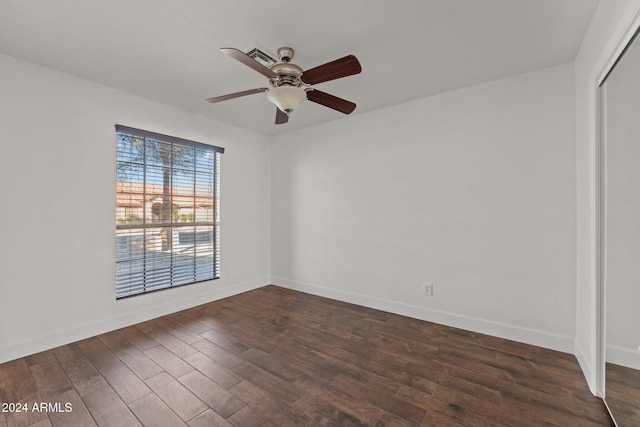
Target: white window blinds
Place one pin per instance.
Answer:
(167, 211)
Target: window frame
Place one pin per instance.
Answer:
(150, 268)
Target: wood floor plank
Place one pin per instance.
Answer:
(17, 386)
(127, 384)
(83, 375)
(50, 378)
(177, 330)
(533, 414)
(108, 410)
(337, 367)
(214, 395)
(362, 410)
(25, 394)
(434, 418)
(68, 353)
(275, 364)
(486, 357)
(623, 393)
(211, 315)
(15, 371)
(138, 362)
(114, 341)
(98, 353)
(176, 396)
(270, 407)
(138, 338)
(78, 414)
(225, 341)
(213, 370)
(174, 344)
(209, 418)
(247, 417)
(416, 396)
(470, 410)
(411, 351)
(570, 405)
(218, 354)
(43, 356)
(171, 363)
(391, 404)
(263, 337)
(466, 379)
(298, 360)
(273, 385)
(389, 420)
(277, 357)
(153, 412)
(465, 382)
(189, 323)
(323, 413)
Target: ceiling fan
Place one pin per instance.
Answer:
(290, 84)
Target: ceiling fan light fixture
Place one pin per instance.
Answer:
(287, 98)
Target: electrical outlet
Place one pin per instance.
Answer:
(427, 289)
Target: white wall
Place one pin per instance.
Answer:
(612, 23)
(57, 270)
(622, 273)
(472, 190)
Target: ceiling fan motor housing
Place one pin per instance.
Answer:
(288, 74)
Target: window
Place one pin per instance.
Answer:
(167, 211)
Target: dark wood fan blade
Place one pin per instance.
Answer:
(237, 94)
(281, 117)
(331, 101)
(249, 61)
(343, 67)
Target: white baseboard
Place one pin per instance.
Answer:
(502, 330)
(31, 345)
(622, 356)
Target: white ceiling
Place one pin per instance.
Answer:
(167, 50)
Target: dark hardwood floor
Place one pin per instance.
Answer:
(623, 394)
(275, 357)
